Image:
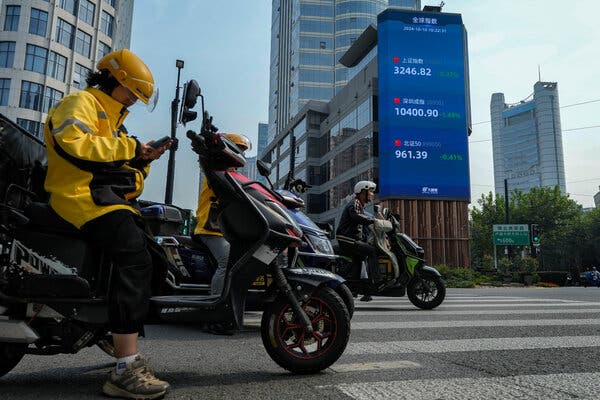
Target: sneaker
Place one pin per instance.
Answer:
(136, 382)
(219, 329)
(366, 298)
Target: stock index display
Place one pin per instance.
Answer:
(424, 111)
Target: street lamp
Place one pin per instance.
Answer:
(173, 149)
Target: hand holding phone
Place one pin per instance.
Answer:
(160, 142)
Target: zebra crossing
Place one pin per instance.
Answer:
(474, 346)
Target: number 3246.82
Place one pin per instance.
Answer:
(423, 71)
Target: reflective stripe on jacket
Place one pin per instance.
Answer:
(92, 166)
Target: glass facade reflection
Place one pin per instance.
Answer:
(47, 48)
(321, 120)
(308, 38)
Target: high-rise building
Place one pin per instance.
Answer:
(308, 38)
(47, 48)
(263, 132)
(527, 140)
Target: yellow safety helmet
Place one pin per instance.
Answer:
(130, 71)
(240, 140)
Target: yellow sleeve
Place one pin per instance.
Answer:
(75, 129)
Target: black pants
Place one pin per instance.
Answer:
(119, 234)
(361, 251)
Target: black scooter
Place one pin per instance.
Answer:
(401, 265)
(54, 285)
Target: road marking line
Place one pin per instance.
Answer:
(372, 325)
(417, 312)
(480, 300)
(475, 305)
(374, 366)
(543, 387)
(464, 345)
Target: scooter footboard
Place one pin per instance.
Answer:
(304, 281)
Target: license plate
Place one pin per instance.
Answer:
(265, 254)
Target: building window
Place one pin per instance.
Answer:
(33, 127)
(103, 49)
(68, 5)
(83, 43)
(11, 22)
(80, 74)
(106, 24)
(64, 33)
(86, 11)
(57, 66)
(31, 95)
(7, 54)
(35, 59)
(4, 91)
(112, 3)
(38, 22)
(51, 98)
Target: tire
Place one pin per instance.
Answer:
(426, 291)
(10, 355)
(284, 339)
(346, 294)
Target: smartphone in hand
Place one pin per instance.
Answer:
(160, 142)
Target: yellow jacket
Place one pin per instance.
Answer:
(92, 165)
(206, 214)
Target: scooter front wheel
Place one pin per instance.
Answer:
(10, 355)
(426, 292)
(298, 351)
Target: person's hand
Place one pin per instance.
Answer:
(150, 153)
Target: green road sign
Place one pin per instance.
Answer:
(511, 235)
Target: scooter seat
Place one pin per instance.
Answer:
(43, 217)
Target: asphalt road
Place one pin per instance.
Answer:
(506, 343)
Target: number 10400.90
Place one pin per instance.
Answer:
(417, 112)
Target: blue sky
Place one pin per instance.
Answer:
(226, 48)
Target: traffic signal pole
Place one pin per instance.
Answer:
(173, 149)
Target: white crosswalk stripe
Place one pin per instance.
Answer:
(543, 387)
(476, 312)
(530, 303)
(485, 344)
(472, 323)
(470, 311)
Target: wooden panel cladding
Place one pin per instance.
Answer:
(441, 227)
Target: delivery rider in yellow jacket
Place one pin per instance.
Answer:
(207, 228)
(95, 173)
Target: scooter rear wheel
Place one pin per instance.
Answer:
(426, 292)
(297, 351)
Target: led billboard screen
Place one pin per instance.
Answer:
(423, 106)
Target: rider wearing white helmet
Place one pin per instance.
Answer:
(351, 232)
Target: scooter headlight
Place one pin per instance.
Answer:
(320, 244)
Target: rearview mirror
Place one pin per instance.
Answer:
(264, 169)
(191, 91)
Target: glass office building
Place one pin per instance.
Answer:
(527, 140)
(308, 37)
(47, 48)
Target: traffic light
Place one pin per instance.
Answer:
(535, 234)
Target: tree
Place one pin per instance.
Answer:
(564, 235)
(491, 212)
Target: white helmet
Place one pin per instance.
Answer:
(364, 185)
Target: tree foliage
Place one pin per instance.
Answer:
(569, 237)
